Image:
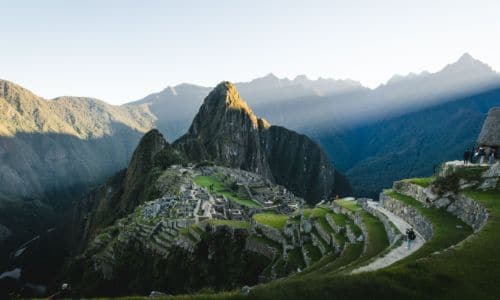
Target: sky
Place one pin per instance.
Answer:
(120, 51)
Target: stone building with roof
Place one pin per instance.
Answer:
(489, 138)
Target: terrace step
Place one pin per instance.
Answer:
(397, 253)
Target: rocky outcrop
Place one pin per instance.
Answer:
(409, 214)
(227, 132)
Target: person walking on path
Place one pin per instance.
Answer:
(467, 155)
(410, 237)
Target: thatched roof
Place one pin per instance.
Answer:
(490, 134)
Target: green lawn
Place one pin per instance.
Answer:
(315, 212)
(350, 205)
(271, 219)
(216, 186)
(444, 226)
(230, 223)
(423, 181)
(339, 219)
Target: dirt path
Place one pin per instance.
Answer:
(397, 253)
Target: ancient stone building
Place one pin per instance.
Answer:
(490, 133)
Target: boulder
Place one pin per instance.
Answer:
(442, 202)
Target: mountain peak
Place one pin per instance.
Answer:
(466, 57)
(226, 94)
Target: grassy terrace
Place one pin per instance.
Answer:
(271, 219)
(266, 241)
(350, 205)
(444, 226)
(230, 223)
(315, 212)
(313, 252)
(217, 186)
(339, 219)
(423, 181)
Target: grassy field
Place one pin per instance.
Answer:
(271, 219)
(230, 223)
(422, 181)
(314, 212)
(444, 225)
(469, 270)
(216, 186)
(350, 205)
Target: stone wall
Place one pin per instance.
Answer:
(392, 233)
(415, 191)
(261, 248)
(409, 214)
(268, 232)
(469, 211)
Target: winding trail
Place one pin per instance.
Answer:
(395, 254)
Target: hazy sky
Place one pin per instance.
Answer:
(123, 50)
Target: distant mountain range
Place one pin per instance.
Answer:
(73, 143)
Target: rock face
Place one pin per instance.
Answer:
(227, 132)
(490, 133)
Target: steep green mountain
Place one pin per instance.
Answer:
(411, 145)
(53, 151)
(227, 132)
(68, 143)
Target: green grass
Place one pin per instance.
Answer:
(271, 219)
(339, 219)
(296, 259)
(468, 271)
(423, 181)
(230, 223)
(470, 173)
(350, 205)
(444, 225)
(315, 212)
(218, 187)
(313, 252)
(267, 241)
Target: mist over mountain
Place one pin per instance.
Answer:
(307, 105)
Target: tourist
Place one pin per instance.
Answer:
(467, 155)
(491, 158)
(410, 237)
(475, 156)
(482, 155)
